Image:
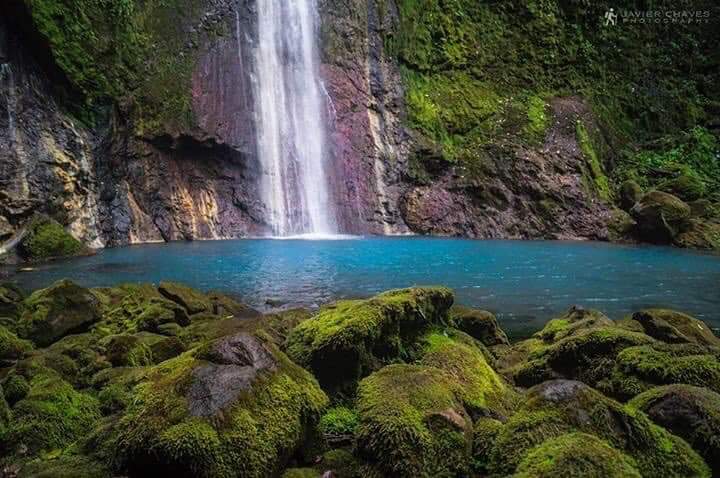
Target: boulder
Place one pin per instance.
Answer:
(11, 298)
(350, 339)
(413, 423)
(11, 347)
(141, 349)
(692, 413)
(637, 369)
(660, 217)
(581, 345)
(50, 416)
(630, 193)
(700, 234)
(675, 327)
(191, 300)
(558, 407)
(574, 455)
(479, 324)
(61, 309)
(234, 407)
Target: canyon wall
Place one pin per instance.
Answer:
(455, 128)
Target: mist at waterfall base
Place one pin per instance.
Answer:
(524, 282)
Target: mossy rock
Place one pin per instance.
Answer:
(15, 387)
(341, 463)
(192, 301)
(483, 392)
(51, 416)
(485, 431)
(235, 407)
(65, 466)
(574, 455)
(224, 306)
(10, 299)
(141, 349)
(413, 423)
(47, 239)
(620, 226)
(675, 327)
(638, 369)
(559, 407)
(686, 185)
(61, 309)
(130, 308)
(11, 347)
(630, 193)
(660, 217)
(301, 473)
(579, 348)
(692, 413)
(347, 341)
(700, 234)
(479, 324)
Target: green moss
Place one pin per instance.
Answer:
(485, 431)
(556, 408)
(51, 416)
(538, 119)
(483, 392)
(66, 466)
(301, 473)
(348, 340)
(576, 454)
(480, 324)
(412, 422)
(588, 356)
(190, 299)
(338, 424)
(12, 347)
(15, 388)
(341, 462)
(639, 368)
(50, 314)
(270, 420)
(600, 181)
(692, 413)
(47, 239)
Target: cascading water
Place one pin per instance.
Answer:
(290, 117)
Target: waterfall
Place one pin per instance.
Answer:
(291, 118)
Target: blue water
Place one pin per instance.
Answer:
(524, 283)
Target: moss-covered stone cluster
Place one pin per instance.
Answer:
(435, 389)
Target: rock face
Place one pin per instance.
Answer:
(185, 166)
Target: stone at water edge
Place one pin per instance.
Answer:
(479, 324)
(660, 217)
(348, 340)
(51, 313)
(671, 326)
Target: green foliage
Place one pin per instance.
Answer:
(47, 239)
(687, 165)
(338, 423)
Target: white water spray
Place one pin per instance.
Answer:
(290, 116)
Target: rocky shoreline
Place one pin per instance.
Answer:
(141, 380)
